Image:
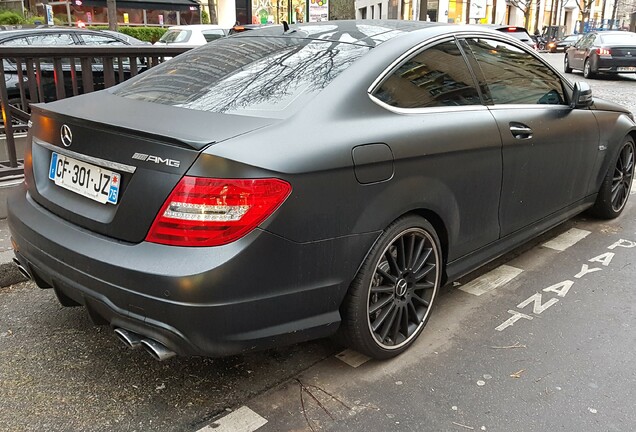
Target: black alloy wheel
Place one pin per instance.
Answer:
(587, 69)
(391, 298)
(566, 64)
(617, 184)
(622, 179)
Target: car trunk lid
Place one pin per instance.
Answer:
(624, 51)
(148, 151)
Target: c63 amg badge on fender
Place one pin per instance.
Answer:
(156, 159)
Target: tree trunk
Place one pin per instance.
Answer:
(423, 10)
(613, 14)
(603, 12)
(582, 23)
(214, 19)
(536, 16)
(468, 12)
(112, 15)
(494, 12)
(553, 14)
(526, 16)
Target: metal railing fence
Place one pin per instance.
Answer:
(43, 74)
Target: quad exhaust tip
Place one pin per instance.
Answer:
(22, 269)
(157, 350)
(133, 340)
(130, 339)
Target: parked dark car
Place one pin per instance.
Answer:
(129, 40)
(52, 36)
(515, 31)
(43, 36)
(270, 188)
(562, 44)
(608, 52)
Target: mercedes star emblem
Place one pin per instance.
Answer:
(66, 135)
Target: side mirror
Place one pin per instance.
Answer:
(581, 95)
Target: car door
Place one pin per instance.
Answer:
(445, 143)
(549, 149)
(579, 53)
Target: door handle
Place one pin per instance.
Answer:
(521, 132)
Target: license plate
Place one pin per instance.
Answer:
(85, 179)
(627, 69)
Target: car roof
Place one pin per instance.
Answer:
(504, 26)
(5, 34)
(196, 27)
(612, 32)
(368, 32)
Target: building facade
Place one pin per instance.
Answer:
(129, 12)
(532, 14)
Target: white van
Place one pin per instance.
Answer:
(191, 35)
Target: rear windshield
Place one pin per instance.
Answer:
(617, 39)
(259, 76)
(174, 36)
(522, 35)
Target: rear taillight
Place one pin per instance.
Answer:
(213, 212)
(603, 51)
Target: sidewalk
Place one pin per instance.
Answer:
(9, 273)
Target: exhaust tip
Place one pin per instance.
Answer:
(130, 339)
(22, 269)
(157, 350)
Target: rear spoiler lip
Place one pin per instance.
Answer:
(182, 127)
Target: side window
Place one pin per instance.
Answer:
(51, 39)
(16, 42)
(437, 76)
(588, 41)
(514, 76)
(211, 35)
(90, 39)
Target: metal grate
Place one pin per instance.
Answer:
(43, 74)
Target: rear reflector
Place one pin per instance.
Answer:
(213, 212)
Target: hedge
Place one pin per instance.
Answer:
(149, 34)
(41, 20)
(10, 18)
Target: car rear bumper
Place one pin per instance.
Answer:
(258, 292)
(613, 65)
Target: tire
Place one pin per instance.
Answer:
(617, 184)
(566, 65)
(390, 299)
(587, 69)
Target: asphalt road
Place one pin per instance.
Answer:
(566, 363)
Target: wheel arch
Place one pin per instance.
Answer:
(440, 229)
(613, 130)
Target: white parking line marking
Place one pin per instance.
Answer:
(491, 280)
(567, 239)
(241, 420)
(352, 358)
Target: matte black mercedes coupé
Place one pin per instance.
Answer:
(277, 186)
